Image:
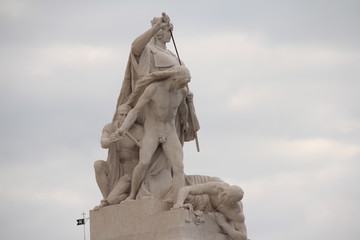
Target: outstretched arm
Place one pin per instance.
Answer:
(140, 42)
(134, 113)
(205, 188)
(236, 227)
(234, 233)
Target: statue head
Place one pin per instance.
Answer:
(164, 33)
(121, 112)
(232, 195)
(181, 77)
(157, 76)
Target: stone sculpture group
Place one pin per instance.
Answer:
(154, 116)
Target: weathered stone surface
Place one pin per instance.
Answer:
(150, 220)
(155, 115)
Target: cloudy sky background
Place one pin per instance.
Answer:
(276, 89)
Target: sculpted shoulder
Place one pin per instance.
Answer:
(107, 128)
(155, 85)
(151, 89)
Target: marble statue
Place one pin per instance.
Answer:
(162, 98)
(149, 54)
(225, 200)
(143, 177)
(113, 176)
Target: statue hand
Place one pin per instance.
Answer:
(189, 97)
(160, 24)
(177, 206)
(164, 21)
(165, 18)
(114, 137)
(120, 131)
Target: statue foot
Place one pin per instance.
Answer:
(128, 199)
(123, 197)
(103, 203)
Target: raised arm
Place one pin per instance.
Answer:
(140, 42)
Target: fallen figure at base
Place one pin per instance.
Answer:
(225, 201)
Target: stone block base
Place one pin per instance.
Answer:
(150, 220)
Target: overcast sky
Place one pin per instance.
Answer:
(276, 88)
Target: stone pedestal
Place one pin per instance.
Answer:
(150, 220)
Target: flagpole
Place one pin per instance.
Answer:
(84, 224)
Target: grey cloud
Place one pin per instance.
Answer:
(280, 108)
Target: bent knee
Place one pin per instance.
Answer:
(112, 200)
(100, 165)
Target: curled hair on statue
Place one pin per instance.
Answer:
(154, 21)
(234, 192)
(160, 33)
(154, 77)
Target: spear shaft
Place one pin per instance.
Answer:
(173, 40)
(177, 54)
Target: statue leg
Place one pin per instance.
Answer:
(120, 191)
(174, 153)
(149, 145)
(101, 175)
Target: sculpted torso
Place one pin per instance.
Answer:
(127, 150)
(162, 107)
(230, 209)
(161, 100)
